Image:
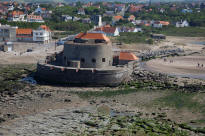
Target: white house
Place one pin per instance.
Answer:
(130, 29)
(42, 34)
(10, 7)
(67, 18)
(182, 24)
(35, 18)
(108, 30)
(15, 16)
(157, 24)
(20, 18)
(138, 30)
(76, 18)
(81, 11)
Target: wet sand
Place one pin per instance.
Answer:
(185, 66)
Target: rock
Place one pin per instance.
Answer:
(67, 100)
(115, 127)
(92, 102)
(90, 123)
(45, 95)
(10, 116)
(2, 120)
(92, 130)
(104, 101)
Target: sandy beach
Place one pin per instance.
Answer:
(185, 66)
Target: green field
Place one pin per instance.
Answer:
(186, 31)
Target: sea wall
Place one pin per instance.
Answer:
(111, 76)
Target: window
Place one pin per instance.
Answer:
(94, 60)
(82, 60)
(103, 59)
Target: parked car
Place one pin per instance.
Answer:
(60, 42)
(29, 50)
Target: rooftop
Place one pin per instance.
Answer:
(118, 17)
(127, 56)
(106, 29)
(24, 31)
(16, 13)
(93, 36)
(45, 27)
(34, 17)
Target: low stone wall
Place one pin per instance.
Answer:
(83, 77)
(164, 52)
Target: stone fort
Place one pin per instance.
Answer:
(88, 60)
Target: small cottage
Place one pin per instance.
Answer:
(126, 57)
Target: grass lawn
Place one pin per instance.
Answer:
(10, 76)
(131, 37)
(186, 31)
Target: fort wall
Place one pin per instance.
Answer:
(89, 56)
(111, 76)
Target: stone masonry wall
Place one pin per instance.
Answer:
(83, 77)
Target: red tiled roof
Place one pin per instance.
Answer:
(45, 27)
(131, 17)
(27, 31)
(5, 3)
(106, 29)
(43, 9)
(16, 13)
(147, 24)
(135, 8)
(34, 17)
(118, 17)
(127, 56)
(164, 22)
(96, 36)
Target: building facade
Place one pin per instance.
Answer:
(108, 30)
(182, 24)
(24, 34)
(42, 34)
(7, 33)
(35, 18)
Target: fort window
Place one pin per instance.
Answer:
(68, 63)
(94, 60)
(103, 59)
(82, 60)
